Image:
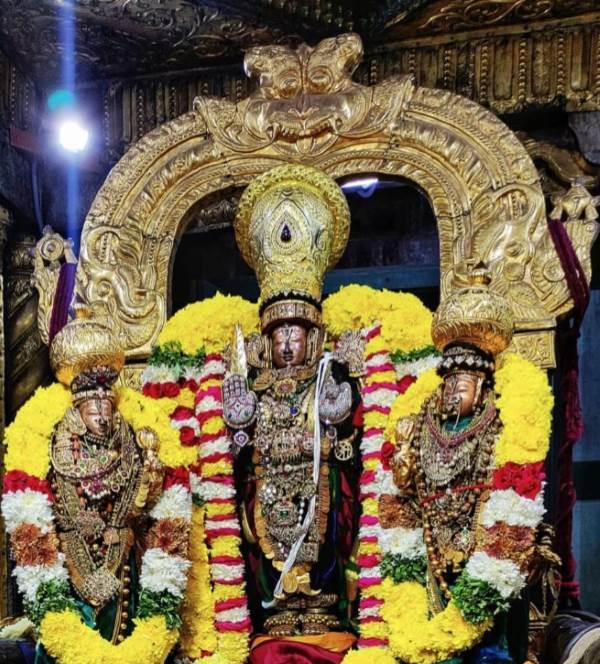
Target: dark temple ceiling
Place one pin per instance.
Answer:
(120, 38)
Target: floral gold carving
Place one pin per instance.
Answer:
(48, 256)
(482, 184)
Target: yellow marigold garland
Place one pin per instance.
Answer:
(526, 429)
(414, 637)
(28, 436)
(198, 633)
(405, 320)
(209, 324)
(69, 641)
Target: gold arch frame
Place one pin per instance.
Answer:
(483, 186)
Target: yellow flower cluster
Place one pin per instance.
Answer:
(525, 403)
(369, 656)
(28, 437)
(209, 323)
(411, 401)
(405, 320)
(141, 411)
(417, 639)
(198, 611)
(69, 641)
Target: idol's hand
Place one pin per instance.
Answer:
(239, 402)
(402, 462)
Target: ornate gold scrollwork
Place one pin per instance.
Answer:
(482, 184)
(49, 254)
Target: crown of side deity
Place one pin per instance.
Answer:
(475, 316)
(292, 225)
(86, 356)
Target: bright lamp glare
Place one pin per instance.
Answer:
(360, 183)
(72, 136)
(364, 187)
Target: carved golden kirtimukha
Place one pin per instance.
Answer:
(482, 184)
(292, 225)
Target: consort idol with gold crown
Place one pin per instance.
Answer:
(289, 404)
(97, 542)
(468, 475)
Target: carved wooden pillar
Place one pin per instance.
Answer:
(5, 221)
(27, 363)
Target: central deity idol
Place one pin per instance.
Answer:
(290, 406)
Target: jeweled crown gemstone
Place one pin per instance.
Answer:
(286, 234)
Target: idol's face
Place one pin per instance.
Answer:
(460, 394)
(289, 345)
(97, 416)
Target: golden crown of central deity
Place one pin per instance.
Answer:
(292, 225)
(86, 344)
(473, 314)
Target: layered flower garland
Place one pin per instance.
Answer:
(40, 569)
(215, 613)
(393, 561)
(496, 572)
(403, 324)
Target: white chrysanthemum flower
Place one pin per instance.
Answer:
(208, 403)
(195, 484)
(501, 574)
(27, 507)
(211, 524)
(369, 612)
(405, 542)
(233, 615)
(208, 490)
(417, 367)
(377, 360)
(385, 482)
(508, 506)
(220, 445)
(370, 531)
(213, 367)
(175, 503)
(30, 577)
(370, 572)
(371, 443)
(221, 572)
(162, 572)
(160, 373)
(192, 373)
(381, 397)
